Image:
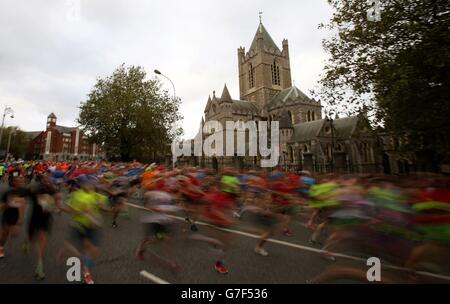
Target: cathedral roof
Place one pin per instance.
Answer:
(345, 126)
(307, 131)
(226, 97)
(293, 93)
(208, 104)
(267, 40)
(244, 107)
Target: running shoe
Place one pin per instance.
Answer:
(220, 268)
(313, 241)
(311, 226)
(88, 278)
(329, 257)
(194, 227)
(2, 252)
(39, 274)
(114, 225)
(175, 268)
(261, 251)
(140, 254)
(287, 232)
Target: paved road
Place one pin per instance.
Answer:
(291, 260)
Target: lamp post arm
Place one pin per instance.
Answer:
(3, 124)
(173, 86)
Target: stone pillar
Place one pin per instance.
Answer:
(339, 161)
(77, 139)
(308, 163)
(48, 142)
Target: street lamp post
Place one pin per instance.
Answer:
(12, 132)
(6, 111)
(173, 86)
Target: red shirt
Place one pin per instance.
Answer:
(435, 194)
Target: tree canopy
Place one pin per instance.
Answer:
(398, 67)
(18, 143)
(131, 117)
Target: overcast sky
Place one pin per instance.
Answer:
(50, 59)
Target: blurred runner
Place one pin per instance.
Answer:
(85, 206)
(13, 206)
(45, 198)
(158, 227)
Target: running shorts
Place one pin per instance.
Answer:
(10, 217)
(42, 222)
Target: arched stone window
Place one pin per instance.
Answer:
(367, 152)
(329, 153)
(291, 154)
(251, 76)
(309, 115)
(291, 116)
(313, 115)
(275, 73)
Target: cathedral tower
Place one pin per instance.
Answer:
(264, 70)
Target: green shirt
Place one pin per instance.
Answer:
(87, 207)
(322, 195)
(230, 184)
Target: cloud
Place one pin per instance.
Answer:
(49, 62)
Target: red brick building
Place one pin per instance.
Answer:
(61, 143)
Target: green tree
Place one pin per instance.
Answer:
(18, 143)
(130, 116)
(397, 67)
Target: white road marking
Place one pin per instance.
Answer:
(301, 247)
(152, 277)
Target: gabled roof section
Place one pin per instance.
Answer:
(307, 131)
(244, 107)
(267, 40)
(345, 127)
(290, 94)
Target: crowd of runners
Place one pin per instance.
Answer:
(403, 221)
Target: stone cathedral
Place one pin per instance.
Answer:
(308, 141)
